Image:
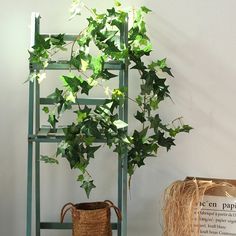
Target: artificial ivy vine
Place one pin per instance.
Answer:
(102, 122)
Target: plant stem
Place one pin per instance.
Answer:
(144, 99)
(89, 10)
(177, 119)
(88, 174)
(52, 54)
(73, 44)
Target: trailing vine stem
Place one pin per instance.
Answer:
(73, 44)
(58, 50)
(89, 10)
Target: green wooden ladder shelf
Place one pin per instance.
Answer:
(37, 134)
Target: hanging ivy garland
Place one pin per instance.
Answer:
(102, 122)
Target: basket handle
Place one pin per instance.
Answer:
(65, 209)
(117, 210)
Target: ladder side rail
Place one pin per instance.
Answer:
(37, 144)
(122, 160)
(30, 132)
(125, 158)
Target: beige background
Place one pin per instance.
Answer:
(199, 39)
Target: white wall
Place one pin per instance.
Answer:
(199, 39)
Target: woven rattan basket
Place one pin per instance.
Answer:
(91, 219)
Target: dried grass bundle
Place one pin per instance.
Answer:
(181, 205)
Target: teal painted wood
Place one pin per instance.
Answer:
(65, 65)
(37, 156)
(29, 190)
(125, 158)
(56, 225)
(44, 135)
(37, 188)
(34, 30)
(122, 163)
(55, 139)
(67, 37)
(30, 161)
(81, 101)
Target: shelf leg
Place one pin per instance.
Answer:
(29, 190)
(124, 197)
(37, 188)
(119, 192)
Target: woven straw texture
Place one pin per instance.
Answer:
(91, 219)
(91, 222)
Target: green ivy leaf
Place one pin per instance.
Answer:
(155, 122)
(76, 62)
(165, 142)
(71, 97)
(162, 65)
(107, 75)
(85, 87)
(120, 124)
(143, 133)
(186, 128)
(61, 148)
(167, 70)
(48, 159)
(42, 42)
(58, 40)
(71, 82)
(46, 110)
(111, 12)
(84, 65)
(146, 88)
(81, 116)
(117, 3)
(180, 129)
(118, 94)
(139, 64)
(56, 95)
(140, 116)
(32, 77)
(139, 100)
(80, 178)
(89, 140)
(52, 120)
(96, 64)
(90, 150)
(88, 186)
(154, 102)
(145, 9)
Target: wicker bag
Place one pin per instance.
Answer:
(91, 219)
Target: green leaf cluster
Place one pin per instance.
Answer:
(40, 53)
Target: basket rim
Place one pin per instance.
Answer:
(91, 206)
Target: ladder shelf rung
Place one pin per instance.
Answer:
(65, 65)
(45, 135)
(67, 37)
(81, 101)
(56, 225)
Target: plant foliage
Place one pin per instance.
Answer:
(102, 122)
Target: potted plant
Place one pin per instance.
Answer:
(102, 122)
